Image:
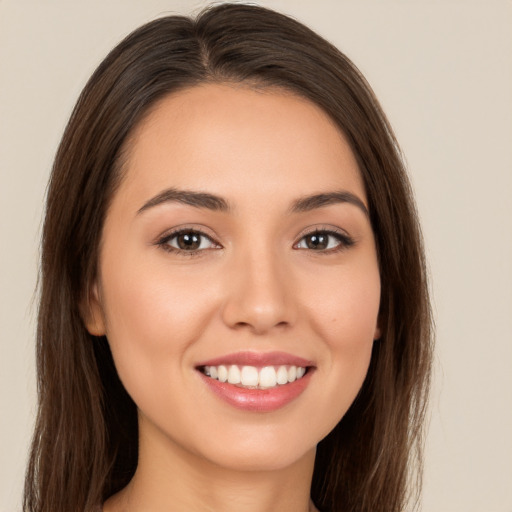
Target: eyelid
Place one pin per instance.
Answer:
(344, 238)
(321, 228)
(163, 239)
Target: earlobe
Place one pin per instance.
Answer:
(380, 326)
(92, 313)
(378, 332)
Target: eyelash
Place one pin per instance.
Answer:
(344, 241)
(164, 242)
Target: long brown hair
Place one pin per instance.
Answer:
(85, 443)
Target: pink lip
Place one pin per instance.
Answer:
(258, 400)
(258, 359)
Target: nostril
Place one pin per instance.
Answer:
(259, 326)
(242, 324)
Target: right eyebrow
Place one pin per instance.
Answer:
(189, 197)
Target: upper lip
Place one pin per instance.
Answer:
(259, 359)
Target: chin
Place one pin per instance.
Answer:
(264, 459)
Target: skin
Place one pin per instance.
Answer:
(255, 286)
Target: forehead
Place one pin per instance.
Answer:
(237, 140)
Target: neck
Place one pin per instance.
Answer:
(170, 479)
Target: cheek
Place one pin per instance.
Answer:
(153, 318)
(350, 327)
(151, 305)
(345, 306)
(354, 316)
(346, 322)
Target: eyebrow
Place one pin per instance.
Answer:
(308, 203)
(216, 203)
(188, 197)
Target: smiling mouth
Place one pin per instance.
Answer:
(257, 381)
(253, 377)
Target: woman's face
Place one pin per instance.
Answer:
(238, 243)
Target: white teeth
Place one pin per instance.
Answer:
(249, 376)
(268, 378)
(282, 375)
(234, 375)
(253, 377)
(222, 372)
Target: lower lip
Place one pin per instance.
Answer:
(258, 400)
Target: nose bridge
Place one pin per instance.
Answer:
(259, 296)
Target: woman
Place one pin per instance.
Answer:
(234, 311)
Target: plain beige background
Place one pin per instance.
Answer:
(443, 72)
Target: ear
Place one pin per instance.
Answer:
(92, 312)
(378, 331)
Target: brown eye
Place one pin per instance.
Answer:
(327, 241)
(188, 241)
(317, 241)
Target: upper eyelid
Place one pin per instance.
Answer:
(340, 236)
(186, 229)
(322, 228)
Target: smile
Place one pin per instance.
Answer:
(252, 377)
(259, 382)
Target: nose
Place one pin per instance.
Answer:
(260, 294)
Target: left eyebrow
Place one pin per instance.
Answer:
(308, 203)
